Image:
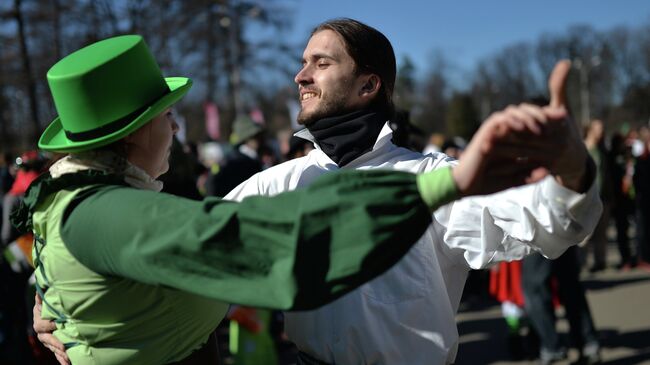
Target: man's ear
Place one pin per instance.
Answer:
(371, 86)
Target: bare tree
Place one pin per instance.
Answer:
(27, 70)
(5, 136)
(431, 107)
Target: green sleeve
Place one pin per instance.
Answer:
(297, 250)
(437, 187)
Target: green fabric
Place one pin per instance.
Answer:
(437, 187)
(113, 320)
(298, 250)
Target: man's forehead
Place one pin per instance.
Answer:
(325, 43)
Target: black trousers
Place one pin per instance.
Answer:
(537, 273)
(643, 230)
(622, 220)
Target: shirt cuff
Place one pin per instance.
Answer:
(437, 188)
(581, 207)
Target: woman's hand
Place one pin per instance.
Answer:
(44, 330)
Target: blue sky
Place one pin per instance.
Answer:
(465, 30)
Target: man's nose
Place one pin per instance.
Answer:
(303, 76)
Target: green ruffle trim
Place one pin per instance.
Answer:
(46, 185)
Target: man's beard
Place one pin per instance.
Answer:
(328, 108)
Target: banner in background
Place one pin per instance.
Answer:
(257, 116)
(181, 135)
(212, 127)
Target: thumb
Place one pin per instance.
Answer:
(557, 83)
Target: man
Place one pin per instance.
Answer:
(406, 316)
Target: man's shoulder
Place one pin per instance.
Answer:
(401, 158)
(286, 167)
(270, 181)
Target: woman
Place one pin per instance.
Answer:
(111, 253)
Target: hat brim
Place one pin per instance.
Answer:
(54, 138)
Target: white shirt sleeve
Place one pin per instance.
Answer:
(544, 217)
(249, 187)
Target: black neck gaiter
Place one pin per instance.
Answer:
(346, 137)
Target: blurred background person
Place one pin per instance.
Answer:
(453, 147)
(539, 276)
(17, 342)
(595, 143)
(505, 286)
(642, 194)
(250, 340)
(621, 169)
(29, 166)
(298, 147)
(244, 161)
(7, 171)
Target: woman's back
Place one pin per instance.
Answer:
(102, 321)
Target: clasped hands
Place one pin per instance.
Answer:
(523, 144)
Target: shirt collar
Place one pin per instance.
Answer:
(385, 136)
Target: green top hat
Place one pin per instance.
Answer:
(105, 91)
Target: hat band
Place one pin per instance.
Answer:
(109, 128)
(104, 130)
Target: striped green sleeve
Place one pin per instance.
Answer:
(437, 188)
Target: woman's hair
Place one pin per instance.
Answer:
(117, 149)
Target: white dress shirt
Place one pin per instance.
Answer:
(407, 315)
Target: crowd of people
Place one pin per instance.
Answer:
(624, 170)
(351, 253)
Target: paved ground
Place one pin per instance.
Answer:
(620, 304)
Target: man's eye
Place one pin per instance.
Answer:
(323, 65)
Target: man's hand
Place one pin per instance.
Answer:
(44, 330)
(523, 144)
(573, 168)
(513, 147)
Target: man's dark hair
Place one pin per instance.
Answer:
(371, 52)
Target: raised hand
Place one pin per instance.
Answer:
(523, 144)
(573, 166)
(557, 84)
(511, 148)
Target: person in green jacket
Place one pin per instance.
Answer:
(130, 275)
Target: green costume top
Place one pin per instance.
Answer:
(134, 276)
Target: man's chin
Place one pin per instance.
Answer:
(307, 119)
